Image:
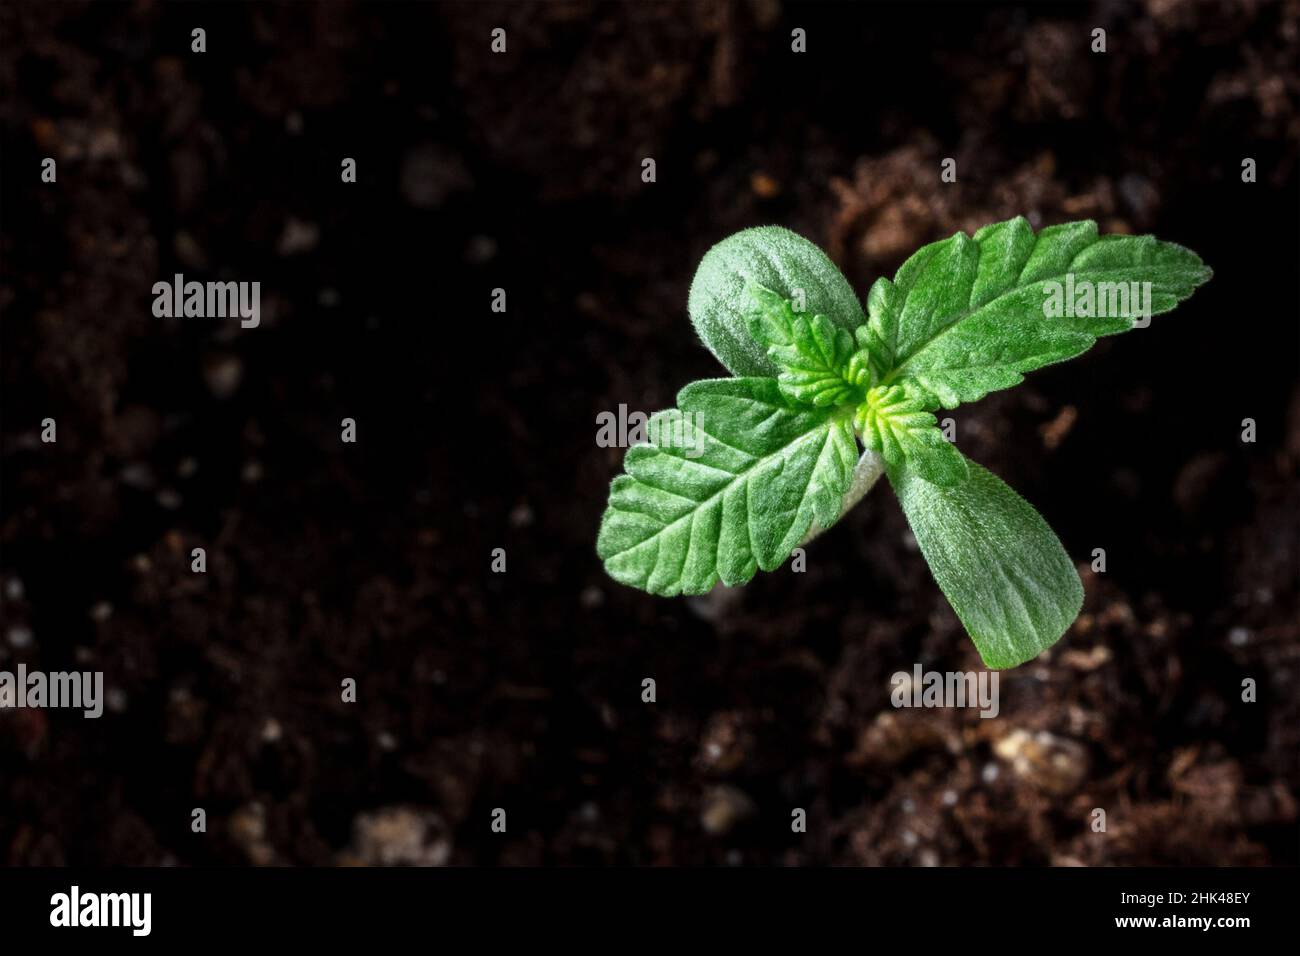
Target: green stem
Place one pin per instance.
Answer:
(865, 475)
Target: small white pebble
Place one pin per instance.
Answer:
(137, 475)
(480, 249)
(1238, 637)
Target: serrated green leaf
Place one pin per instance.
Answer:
(966, 315)
(758, 464)
(776, 259)
(747, 475)
(897, 425)
(1001, 567)
(812, 353)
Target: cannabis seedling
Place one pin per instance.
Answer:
(745, 469)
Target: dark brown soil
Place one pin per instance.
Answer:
(522, 690)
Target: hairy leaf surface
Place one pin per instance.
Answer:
(1001, 567)
(897, 426)
(968, 315)
(812, 354)
(743, 487)
(779, 260)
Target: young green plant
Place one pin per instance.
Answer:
(747, 468)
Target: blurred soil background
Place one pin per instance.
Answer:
(476, 431)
